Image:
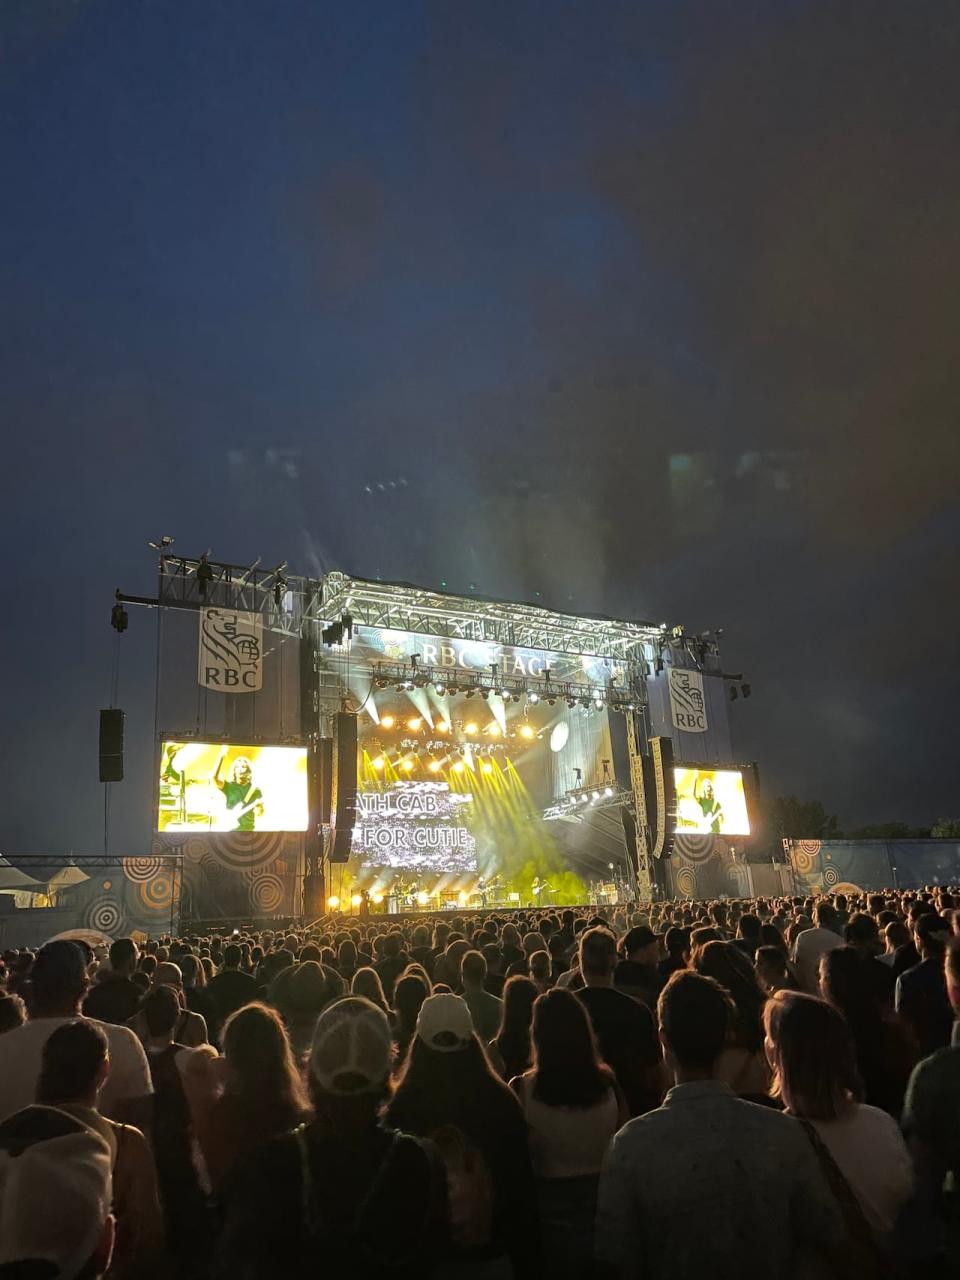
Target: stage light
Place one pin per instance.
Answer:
(733, 693)
(486, 767)
(484, 693)
(377, 899)
(388, 722)
(407, 766)
(461, 897)
(608, 791)
(746, 690)
(551, 702)
(493, 729)
(443, 727)
(434, 766)
(423, 897)
(453, 688)
(471, 692)
(356, 900)
(440, 688)
(414, 724)
(533, 698)
(526, 731)
(333, 902)
(458, 766)
(379, 763)
(470, 727)
(595, 796)
(598, 703)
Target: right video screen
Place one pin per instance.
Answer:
(711, 801)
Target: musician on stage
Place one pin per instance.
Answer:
(482, 890)
(239, 791)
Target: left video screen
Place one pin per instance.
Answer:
(213, 786)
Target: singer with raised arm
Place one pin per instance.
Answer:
(242, 799)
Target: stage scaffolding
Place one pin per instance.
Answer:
(296, 607)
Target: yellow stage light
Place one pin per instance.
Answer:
(493, 729)
(377, 899)
(356, 900)
(486, 767)
(423, 897)
(443, 727)
(526, 731)
(388, 722)
(461, 896)
(470, 727)
(434, 766)
(379, 762)
(333, 902)
(415, 723)
(407, 766)
(458, 767)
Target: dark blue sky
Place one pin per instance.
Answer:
(653, 306)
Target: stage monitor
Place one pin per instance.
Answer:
(212, 786)
(710, 801)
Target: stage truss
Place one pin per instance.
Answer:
(300, 607)
(401, 607)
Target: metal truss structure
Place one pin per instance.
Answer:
(402, 607)
(285, 601)
(454, 680)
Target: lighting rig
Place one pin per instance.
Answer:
(407, 676)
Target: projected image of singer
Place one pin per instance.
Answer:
(242, 799)
(710, 806)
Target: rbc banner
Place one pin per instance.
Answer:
(688, 707)
(230, 651)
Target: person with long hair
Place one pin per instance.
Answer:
(742, 1064)
(886, 1051)
(261, 1093)
(367, 985)
(447, 1091)
(512, 1041)
(408, 996)
(573, 1108)
(814, 1063)
(346, 1187)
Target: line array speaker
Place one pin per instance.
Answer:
(344, 785)
(111, 745)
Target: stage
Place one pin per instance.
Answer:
(316, 739)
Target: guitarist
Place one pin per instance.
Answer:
(239, 792)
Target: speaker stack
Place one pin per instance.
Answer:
(343, 799)
(111, 745)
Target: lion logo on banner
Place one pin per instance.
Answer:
(687, 702)
(231, 650)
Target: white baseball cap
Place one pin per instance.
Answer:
(352, 1048)
(55, 1190)
(445, 1023)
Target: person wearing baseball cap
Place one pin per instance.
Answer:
(447, 1087)
(371, 1198)
(55, 1195)
(637, 973)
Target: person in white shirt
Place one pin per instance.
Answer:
(813, 943)
(812, 1054)
(58, 984)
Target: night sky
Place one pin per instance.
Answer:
(652, 308)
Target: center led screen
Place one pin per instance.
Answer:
(457, 783)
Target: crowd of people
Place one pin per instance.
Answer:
(764, 1087)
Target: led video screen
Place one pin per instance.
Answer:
(711, 801)
(416, 826)
(212, 786)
